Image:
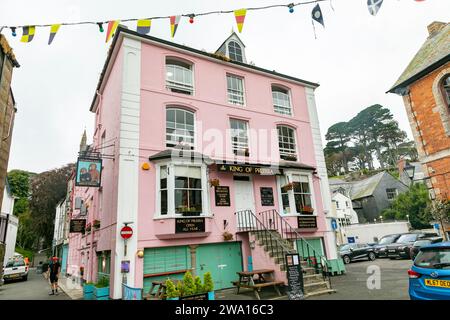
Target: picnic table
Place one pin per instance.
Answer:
(160, 287)
(256, 280)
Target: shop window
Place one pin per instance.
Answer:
(281, 100)
(235, 51)
(188, 190)
(163, 189)
(302, 193)
(239, 137)
(285, 196)
(180, 128)
(235, 89)
(179, 76)
(286, 143)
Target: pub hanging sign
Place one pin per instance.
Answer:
(89, 172)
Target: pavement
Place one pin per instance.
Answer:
(393, 284)
(35, 288)
(71, 287)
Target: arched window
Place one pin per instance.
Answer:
(180, 129)
(446, 90)
(235, 51)
(179, 76)
(286, 143)
(281, 100)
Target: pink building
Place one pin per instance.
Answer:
(198, 148)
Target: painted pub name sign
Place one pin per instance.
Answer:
(184, 225)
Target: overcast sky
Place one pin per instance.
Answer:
(356, 58)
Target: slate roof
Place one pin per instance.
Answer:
(357, 189)
(433, 53)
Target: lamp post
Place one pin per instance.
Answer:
(381, 219)
(407, 217)
(409, 170)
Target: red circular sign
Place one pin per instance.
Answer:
(126, 232)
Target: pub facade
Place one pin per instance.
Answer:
(201, 151)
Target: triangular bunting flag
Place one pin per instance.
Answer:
(143, 26)
(174, 20)
(112, 26)
(27, 33)
(53, 30)
(374, 6)
(317, 15)
(240, 16)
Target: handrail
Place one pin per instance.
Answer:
(248, 221)
(272, 219)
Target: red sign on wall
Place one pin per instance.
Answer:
(126, 232)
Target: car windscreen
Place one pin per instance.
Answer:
(11, 264)
(345, 247)
(407, 238)
(434, 258)
(387, 240)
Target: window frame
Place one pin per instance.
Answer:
(185, 110)
(244, 151)
(234, 101)
(288, 174)
(445, 91)
(389, 192)
(284, 154)
(170, 165)
(289, 96)
(238, 46)
(182, 88)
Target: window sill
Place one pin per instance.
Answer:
(160, 217)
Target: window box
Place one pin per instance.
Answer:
(289, 157)
(307, 210)
(96, 224)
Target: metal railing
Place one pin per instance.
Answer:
(272, 220)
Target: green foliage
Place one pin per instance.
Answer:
(171, 290)
(180, 288)
(25, 253)
(198, 285)
(413, 203)
(208, 283)
(188, 284)
(103, 282)
(19, 183)
(439, 211)
(26, 237)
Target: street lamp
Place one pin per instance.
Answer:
(409, 170)
(407, 217)
(381, 218)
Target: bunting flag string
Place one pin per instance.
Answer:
(143, 25)
(53, 30)
(240, 16)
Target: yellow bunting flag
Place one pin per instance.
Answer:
(240, 16)
(174, 20)
(28, 33)
(112, 26)
(53, 30)
(143, 26)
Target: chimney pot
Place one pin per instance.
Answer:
(435, 27)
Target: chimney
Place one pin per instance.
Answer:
(435, 27)
(401, 165)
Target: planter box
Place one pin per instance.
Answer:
(211, 295)
(88, 292)
(101, 293)
(201, 296)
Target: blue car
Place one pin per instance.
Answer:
(429, 277)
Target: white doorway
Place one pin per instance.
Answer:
(244, 200)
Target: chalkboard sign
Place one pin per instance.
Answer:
(183, 225)
(307, 222)
(77, 225)
(222, 196)
(294, 276)
(266, 196)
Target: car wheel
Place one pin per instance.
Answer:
(372, 256)
(346, 259)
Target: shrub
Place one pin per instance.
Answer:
(208, 284)
(171, 291)
(188, 284)
(103, 282)
(198, 285)
(180, 288)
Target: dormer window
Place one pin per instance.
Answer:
(235, 51)
(179, 76)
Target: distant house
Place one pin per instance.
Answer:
(8, 223)
(370, 196)
(342, 209)
(410, 172)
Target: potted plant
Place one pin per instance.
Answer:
(171, 291)
(208, 285)
(227, 236)
(88, 228)
(287, 187)
(214, 182)
(188, 211)
(289, 157)
(307, 210)
(88, 291)
(198, 285)
(96, 224)
(189, 287)
(101, 289)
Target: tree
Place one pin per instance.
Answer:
(439, 211)
(413, 203)
(338, 139)
(47, 189)
(19, 183)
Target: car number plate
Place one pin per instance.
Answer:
(437, 283)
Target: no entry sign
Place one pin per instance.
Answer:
(126, 232)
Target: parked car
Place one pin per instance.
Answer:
(381, 247)
(422, 243)
(15, 269)
(356, 251)
(402, 247)
(429, 277)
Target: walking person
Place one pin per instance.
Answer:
(54, 269)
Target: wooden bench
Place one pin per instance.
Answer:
(258, 286)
